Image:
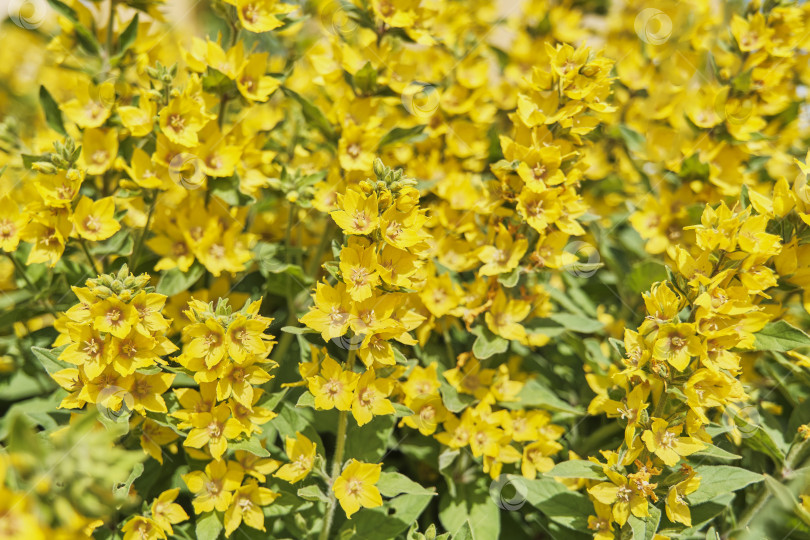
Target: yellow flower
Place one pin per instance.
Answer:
(92, 105)
(181, 120)
(331, 314)
(504, 256)
(139, 120)
(147, 391)
(370, 398)
(666, 443)
(114, 316)
(622, 496)
(154, 437)
(11, 224)
(333, 387)
(166, 512)
(246, 507)
(677, 344)
(260, 15)
(356, 487)
(213, 429)
(214, 487)
(252, 82)
(301, 453)
(142, 528)
(358, 263)
(99, 150)
(358, 214)
(95, 220)
(676, 506)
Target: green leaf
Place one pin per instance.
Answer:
(128, 36)
(121, 244)
(780, 336)
(52, 113)
(644, 274)
(464, 532)
(577, 468)
(392, 484)
(123, 489)
(511, 279)
(86, 39)
(227, 189)
(402, 410)
(313, 493)
(402, 135)
(298, 330)
(561, 505)
(718, 480)
(252, 445)
(713, 452)
(645, 528)
(472, 504)
(174, 281)
(306, 400)
(64, 9)
(49, 358)
(534, 394)
(452, 399)
(208, 526)
(577, 323)
(365, 80)
(782, 493)
(369, 442)
(388, 521)
(313, 115)
(487, 344)
(633, 139)
(760, 436)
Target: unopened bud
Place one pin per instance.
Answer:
(44, 167)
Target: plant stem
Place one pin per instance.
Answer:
(659, 407)
(286, 339)
(136, 253)
(762, 498)
(90, 258)
(315, 263)
(20, 269)
(110, 24)
(337, 459)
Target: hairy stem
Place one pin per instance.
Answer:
(337, 459)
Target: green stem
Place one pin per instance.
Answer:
(286, 339)
(315, 263)
(90, 258)
(337, 459)
(20, 269)
(762, 497)
(659, 407)
(136, 253)
(595, 439)
(110, 24)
